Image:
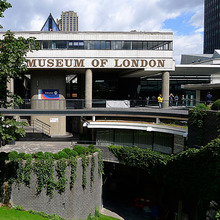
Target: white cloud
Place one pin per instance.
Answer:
(112, 15)
(187, 44)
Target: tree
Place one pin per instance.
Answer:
(13, 64)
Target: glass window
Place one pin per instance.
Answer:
(145, 45)
(108, 45)
(118, 45)
(112, 45)
(137, 45)
(45, 45)
(91, 45)
(102, 45)
(97, 45)
(126, 45)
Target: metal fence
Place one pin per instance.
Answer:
(96, 103)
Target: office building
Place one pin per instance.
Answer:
(68, 21)
(211, 26)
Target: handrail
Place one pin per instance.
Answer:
(100, 103)
(41, 126)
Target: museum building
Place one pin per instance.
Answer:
(86, 70)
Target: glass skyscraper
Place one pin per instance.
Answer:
(211, 26)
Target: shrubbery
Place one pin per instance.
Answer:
(216, 105)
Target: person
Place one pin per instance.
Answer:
(183, 100)
(176, 98)
(160, 100)
(208, 98)
(148, 100)
(171, 97)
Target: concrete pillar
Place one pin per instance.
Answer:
(49, 79)
(10, 88)
(198, 96)
(165, 88)
(88, 89)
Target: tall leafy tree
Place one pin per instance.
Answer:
(13, 64)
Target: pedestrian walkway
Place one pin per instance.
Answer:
(36, 146)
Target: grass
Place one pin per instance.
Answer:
(104, 217)
(13, 214)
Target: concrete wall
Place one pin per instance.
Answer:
(49, 80)
(72, 204)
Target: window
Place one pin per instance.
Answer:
(137, 45)
(107, 45)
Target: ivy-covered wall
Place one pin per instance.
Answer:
(68, 183)
(203, 127)
(75, 203)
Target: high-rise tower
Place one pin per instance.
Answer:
(211, 26)
(68, 21)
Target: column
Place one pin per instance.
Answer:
(88, 89)
(165, 88)
(10, 88)
(198, 96)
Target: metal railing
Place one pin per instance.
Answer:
(39, 126)
(96, 103)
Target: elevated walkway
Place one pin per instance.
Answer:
(179, 113)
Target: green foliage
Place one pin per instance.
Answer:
(62, 154)
(73, 165)
(216, 105)
(92, 176)
(44, 171)
(38, 155)
(19, 208)
(134, 156)
(100, 162)
(197, 115)
(80, 149)
(194, 173)
(10, 129)
(13, 155)
(70, 152)
(27, 171)
(62, 180)
(84, 166)
(44, 166)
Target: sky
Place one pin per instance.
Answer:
(183, 18)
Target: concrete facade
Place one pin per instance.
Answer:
(49, 80)
(129, 54)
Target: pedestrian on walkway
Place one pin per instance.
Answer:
(183, 100)
(208, 98)
(160, 100)
(171, 97)
(176, 98)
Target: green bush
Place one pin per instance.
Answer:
(67, 150)
(13, 155)
(201, 106)
(39, 155)
(27, 156)
(21, 155)
(216, 105)
(48, 155)
(91, 148)
(62, 154)
(73, 153)
(80, 149)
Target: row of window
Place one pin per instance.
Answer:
(107, 45)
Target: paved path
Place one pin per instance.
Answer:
(36, 146)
